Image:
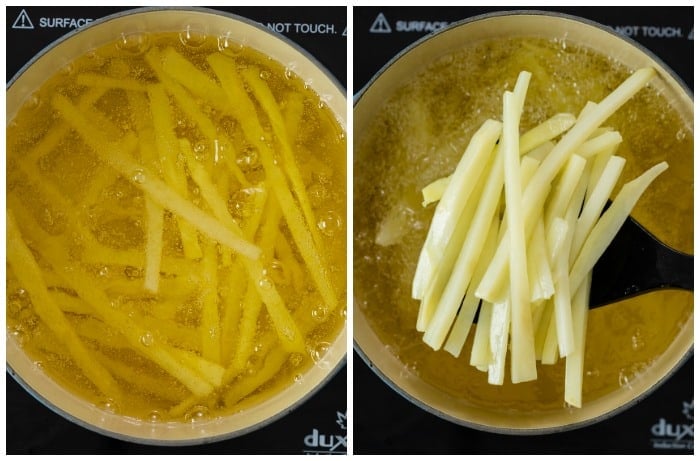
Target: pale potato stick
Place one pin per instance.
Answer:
(546, 131)
(473, 244)
(286, 255)
(443, 271)
(109, 83)
(212, 372)
(523, 363)
(543, 329)
(176, 84)
(96, 331)
(61, 129)
(140, 112)
(537, 311)
(104, 177)
(157, 386)
(539, 269)
(246, 114)
(595, 202)
(169, 288)
(498, 341)
(154, 245)
(117, 158)
(167, 147)
(480, 356)
(252, 304)
(540, 152)
(492, 276)
(610, 223)
(564, 189)
(98, 254)
(449, 209)
(598, 164)
(235, 283)
(470, 303)
(83, 285)
(261, 91)
(29, 275)
(69, 303)
(194, 79)
(491, 286)
(210, 326)
(607, 140)
(248, 384)
(573, 375)
(433, 191)
(562, 289)
(293, 111)
(550, 348)
(289, 334)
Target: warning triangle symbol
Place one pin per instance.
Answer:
(380, 25)
(23, 21)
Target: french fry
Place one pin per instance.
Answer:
(154, 245)
(29, 275)
(245, 111)
(114, 156)
(210, 326)
(108, 83)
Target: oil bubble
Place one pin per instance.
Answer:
(298, 379)
(139, 177)
(319, 353)
(198, 413)
(329, 223)
(108, 405)
(265, 74)
(134, 43)
(319, 313)
(147, 339)
(154, 417)
(229, 46)
(193, 36)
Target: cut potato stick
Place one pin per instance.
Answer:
(433, 191)
(29, 275)
(69, 303)
(449, 209)
(210, 326)
(481, 354)
(492, 285)
(248, 384)
(498, 341)
(167, 145)
(212, 372)
(235, 283)
(545, 131)
(109, 83)
(573, 375)
(266, 99)
(564, 189)
(281, 318)
(470, 303)
(539, 269)
(604, 141)
(443, 271)
(523, 363)
(251, 303)
(543, 328)
(610, 223)
(117, 158)
(598, 164)
(540, 152)
(61, 129)
(154, 245)
(595, 203)
(562, 289)
(160, 387)
(465, 265)
(293, 113)
(181, 70)
(233, 86)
